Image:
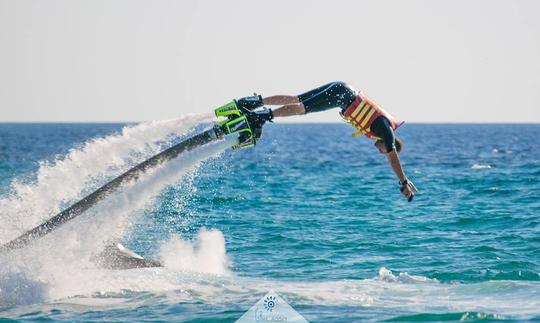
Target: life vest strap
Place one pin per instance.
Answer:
(358, 133)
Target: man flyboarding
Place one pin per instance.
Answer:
(357, 109)
(244, 117)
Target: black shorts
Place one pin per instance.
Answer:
(331, 95)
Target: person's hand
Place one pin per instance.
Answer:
(408, 189)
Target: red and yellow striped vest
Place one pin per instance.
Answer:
(361, 114)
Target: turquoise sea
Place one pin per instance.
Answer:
(309, 213)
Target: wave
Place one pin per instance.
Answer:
(482, 166)
(387, 292)
(486, 275)
(454, 317)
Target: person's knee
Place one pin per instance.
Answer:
(343, 87)
(339, 84)
(343, 90)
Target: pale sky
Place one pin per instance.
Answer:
(133, 60)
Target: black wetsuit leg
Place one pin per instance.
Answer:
(328, 96)
(381, 128)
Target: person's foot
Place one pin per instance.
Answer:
(250, 102)
(257, 119)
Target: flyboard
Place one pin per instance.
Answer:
(235, 120)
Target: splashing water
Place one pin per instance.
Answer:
(70, 177)
(205, 254)
(62, 260)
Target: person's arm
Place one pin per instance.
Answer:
(407, 187)
(381, 127)
(395, 163)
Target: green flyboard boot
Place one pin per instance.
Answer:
(236, 122)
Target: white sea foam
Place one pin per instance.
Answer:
(481, 166)
(205, 254)
(387, 275)
(70, 176)
(401, 295)
(60, 264)
(64, 259)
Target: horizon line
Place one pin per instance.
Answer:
(285, 122)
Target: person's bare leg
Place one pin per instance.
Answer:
(280, 100)
(289, 110)
(291, 105)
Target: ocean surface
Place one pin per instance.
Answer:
(309, 213)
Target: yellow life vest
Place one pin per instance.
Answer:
(361, 114)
